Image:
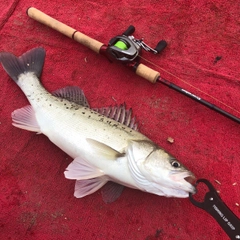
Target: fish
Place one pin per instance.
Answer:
(107, 149)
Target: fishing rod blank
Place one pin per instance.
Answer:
(198, 99)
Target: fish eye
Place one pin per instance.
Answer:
(175, 164)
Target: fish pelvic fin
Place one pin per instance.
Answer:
(88, 186)
(31, 61)
(80, 169)
(88, 178)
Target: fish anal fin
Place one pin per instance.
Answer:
(80, 169)
(24, 118)
(111, 191)
(72, 94)
(104, 150)
(88, 186)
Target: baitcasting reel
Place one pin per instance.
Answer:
(126, 48)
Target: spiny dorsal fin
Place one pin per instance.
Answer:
(73, 94)
(119, 114)
(31, 61)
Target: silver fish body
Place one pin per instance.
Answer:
(105, 147)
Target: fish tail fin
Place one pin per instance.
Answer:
(31, 61)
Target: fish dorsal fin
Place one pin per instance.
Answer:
(31, 61)
(103, 150)
(72, 94)
(119, 114)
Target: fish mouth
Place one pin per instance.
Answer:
(191, 179)
(187, 179)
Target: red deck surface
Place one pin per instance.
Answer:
(37, 202)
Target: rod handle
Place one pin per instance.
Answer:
(64, 29)
(147, 73)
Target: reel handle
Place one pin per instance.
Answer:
(130, 30)
(160, 46)
(64, 29)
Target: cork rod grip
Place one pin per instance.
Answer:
(64, 29)
(147, 73)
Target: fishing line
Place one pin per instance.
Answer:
(125, 48)
(189, 84)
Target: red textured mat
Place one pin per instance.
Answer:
(37, 202)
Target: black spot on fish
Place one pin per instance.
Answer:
(101, 119)
(50, 105)
(67, 107)
(89, 116)
(83, 112)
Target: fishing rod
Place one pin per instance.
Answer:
(124, 48)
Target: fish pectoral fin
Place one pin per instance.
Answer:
(111, 191)
(80, 169)
(88, 186)
(104, 150)
(24, 118)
